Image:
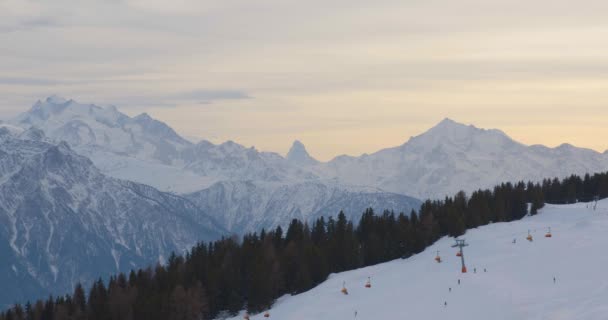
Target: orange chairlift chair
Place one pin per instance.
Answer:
(344, 291)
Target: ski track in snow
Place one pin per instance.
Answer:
(518, 283)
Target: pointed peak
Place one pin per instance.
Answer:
(449, 123)
(449, 128)
(298, 154)
(456, 134)
(298, 145)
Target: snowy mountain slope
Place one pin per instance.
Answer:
(63, 221)
(250, 206)
(451, 157)
(518, 283)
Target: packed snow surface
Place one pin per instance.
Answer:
(519, 282)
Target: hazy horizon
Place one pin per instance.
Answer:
(311, 152)
(346, 77)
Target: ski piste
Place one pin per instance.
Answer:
(561, 276)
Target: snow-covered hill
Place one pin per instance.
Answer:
(63, 221)
(518, 283)
(451, 157)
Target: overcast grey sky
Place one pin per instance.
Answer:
(342, 76)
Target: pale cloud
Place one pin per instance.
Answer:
(27, 81)
(343, 76)
(205, 95)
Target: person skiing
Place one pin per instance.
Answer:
(459, 281)
(484, 270)
(450, 289)
(554, 280)
(445, 304)
(514, 240)
(474, 270)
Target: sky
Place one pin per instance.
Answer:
(344, 77)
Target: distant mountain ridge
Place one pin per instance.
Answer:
(147, 151)
(445, 159)
(451, 157)
(120, 145)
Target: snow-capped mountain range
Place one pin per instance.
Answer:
(442, 161)
(86, 190)
(148, 151)
(241, 187)
(63, 221)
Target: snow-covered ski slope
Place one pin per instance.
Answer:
(518, 283)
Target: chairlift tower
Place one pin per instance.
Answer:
(596, 198)
(460, 243)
